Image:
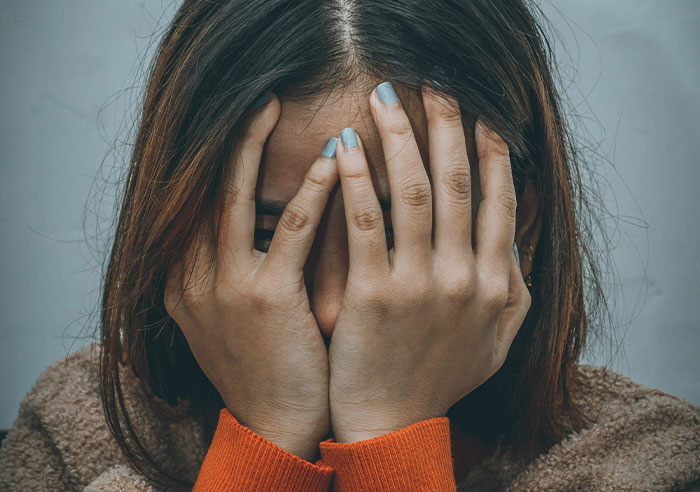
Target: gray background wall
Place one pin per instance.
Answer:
(67, 71)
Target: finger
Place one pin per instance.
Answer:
(238, 225)
(514, 313)
(411, 196)
(449, 167)
(297, 226)
(367, 246)
(495, 220)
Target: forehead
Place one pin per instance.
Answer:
(304, 128)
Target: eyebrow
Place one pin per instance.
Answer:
(276, 207)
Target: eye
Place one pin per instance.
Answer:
(263, 238)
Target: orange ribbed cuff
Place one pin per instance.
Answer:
(241, 460)
(415, 458)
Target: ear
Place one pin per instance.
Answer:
(528, 224)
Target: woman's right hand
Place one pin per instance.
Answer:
(247, 319)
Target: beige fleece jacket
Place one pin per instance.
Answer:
(640, 439)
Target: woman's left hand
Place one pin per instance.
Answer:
(427, 322)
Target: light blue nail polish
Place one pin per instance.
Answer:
(329, 151)
(261, 100)
(349, 138)
(386, 93)
(517, 255)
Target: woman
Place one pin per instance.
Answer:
(372, 279)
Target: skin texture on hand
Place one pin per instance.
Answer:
(248, 319)
(425, 323)
(304, 127)
(400, 352)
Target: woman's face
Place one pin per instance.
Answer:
(301, 134)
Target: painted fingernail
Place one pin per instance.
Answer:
(329, 151)
(517, 255)
(261, 100)
(349, 138)
(386, 93)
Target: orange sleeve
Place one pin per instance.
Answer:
(415, 458)
(241, 460)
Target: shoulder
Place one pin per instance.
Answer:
(607, 396)
(65, 399)
(60, 422)
(67, 384)
(635, 438)
(638, 436)
(61, 426)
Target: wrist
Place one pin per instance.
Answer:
(362, 426)
(356, 436)
(305, 450)
(303, 445)
(296, 435)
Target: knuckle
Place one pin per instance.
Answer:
(359, 176)
(495, 145)
(316, 179)
(499, 149)
(367, 219)
(456, 183)
(400, 128)
(416, 194)
(496, 298)
(461, 287)
(452, 116)
(508, 202)
(294, 218)
(448, 115)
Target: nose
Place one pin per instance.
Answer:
(326, 269)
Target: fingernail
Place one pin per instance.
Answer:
(261, 100)
(329, 151)
(349, 138)
(386, 93)
(517, 255)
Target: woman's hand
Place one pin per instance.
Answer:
(423, 324)
(248, 320)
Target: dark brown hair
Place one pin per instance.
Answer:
(214, 60)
